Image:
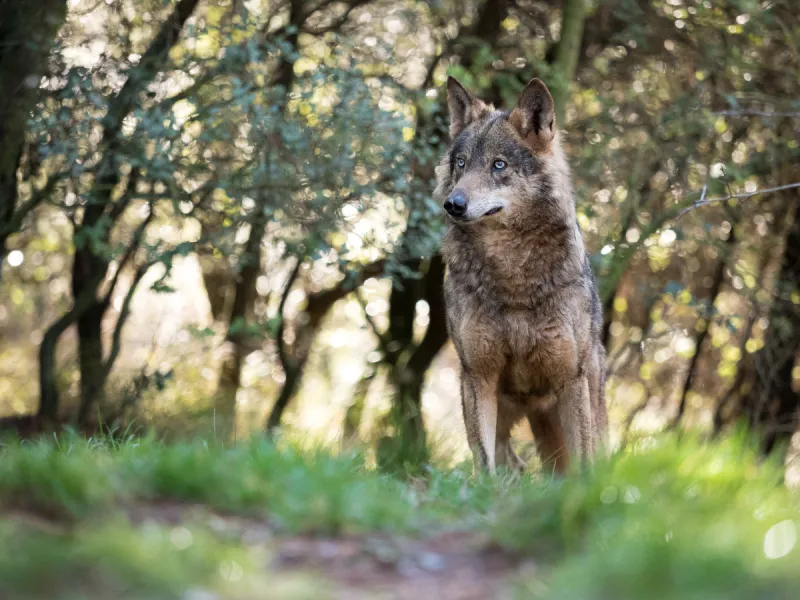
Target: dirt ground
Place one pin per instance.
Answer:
(447, 566)
(451, 566)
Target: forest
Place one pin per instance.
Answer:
(223, 341)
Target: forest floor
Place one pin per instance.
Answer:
(666, 519)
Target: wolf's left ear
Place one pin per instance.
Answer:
(535, 116)
(464, 108)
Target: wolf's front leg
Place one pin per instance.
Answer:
(575, 412)
(479, 403)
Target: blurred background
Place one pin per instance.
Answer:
(216, 216)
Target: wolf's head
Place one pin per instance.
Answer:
(503, 168)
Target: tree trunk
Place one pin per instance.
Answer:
(411, 375)
(88, 270)
(245, 291)
(48, 387)
(716, 288)
(48, 384)
(729, 405)
(772, 405)
(27, 32)
(406, 411)
(90, 267)
(290, 385)
(90, 362)
(567, 52)
(230, 379)
(307, 325)
(355, 412)
(219, 282)
(407, 377)
(238, 340)
(402, 308)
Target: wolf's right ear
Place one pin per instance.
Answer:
(534, 117)
(464, 109)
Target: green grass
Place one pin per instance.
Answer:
(669, 518)
(109, 560)
(296, 490)
(672, 518)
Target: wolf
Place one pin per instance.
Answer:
(521, 302)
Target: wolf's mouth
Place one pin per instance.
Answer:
(468, 220)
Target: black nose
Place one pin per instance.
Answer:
(456, 203)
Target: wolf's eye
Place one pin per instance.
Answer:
(499, 165)
(460, 162)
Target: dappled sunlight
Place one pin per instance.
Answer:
(225, 232)
(685, 327)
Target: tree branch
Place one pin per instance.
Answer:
(37, 197)
(716, 288)
(124, 102)
(436, 334)
(281, 345)
(757, 113)
(135, 242)
(120, 205)
(124, 313)
(48, 390)
(382, 341)
(705, 201)
(149, 64)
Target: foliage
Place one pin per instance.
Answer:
(112, 559)
(671, 518)
(289, 149)
(674, 517)
(282, 155)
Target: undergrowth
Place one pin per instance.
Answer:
(668, 518)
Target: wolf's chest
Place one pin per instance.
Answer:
(532, 352)
(538, 352)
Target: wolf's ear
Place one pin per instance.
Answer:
(464, 109)
(535, 116)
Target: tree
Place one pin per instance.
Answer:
(27, 32)
(773, 405)
(317, 162)
(567, 51)
(244, 294)
(268, 137)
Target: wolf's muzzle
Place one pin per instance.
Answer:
(456, 203)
